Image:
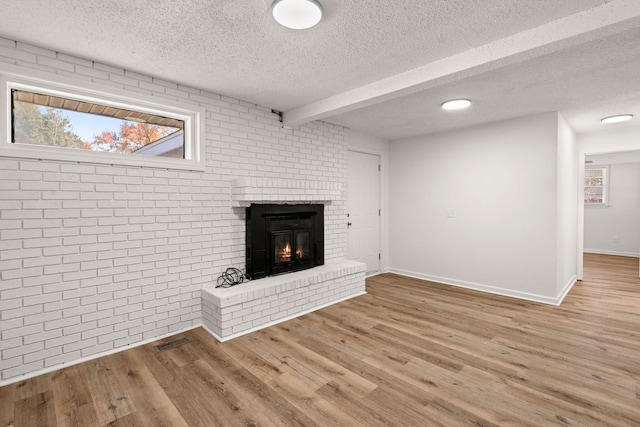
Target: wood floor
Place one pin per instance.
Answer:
(409, 353)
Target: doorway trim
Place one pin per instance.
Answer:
(617, 142)
(384, 208)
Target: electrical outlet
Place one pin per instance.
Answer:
(615, 239)
(451, 213)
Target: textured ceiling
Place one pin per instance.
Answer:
(382, 67)
(585, 83)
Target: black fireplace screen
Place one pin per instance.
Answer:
(284, 238)
(287, 248)
(282, 247)
(302, 245)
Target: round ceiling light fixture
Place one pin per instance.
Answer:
(456, 104)
(617, 119)
(297, 14)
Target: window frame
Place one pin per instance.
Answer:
(605, 186)
(15, 77)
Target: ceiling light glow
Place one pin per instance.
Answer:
(617, 119)
(297, 14)
(456, 104)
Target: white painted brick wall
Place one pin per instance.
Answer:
(84, 244)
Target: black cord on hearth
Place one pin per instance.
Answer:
(231, 277)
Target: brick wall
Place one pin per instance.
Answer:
(94, 258)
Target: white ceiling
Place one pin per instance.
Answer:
(382, 67)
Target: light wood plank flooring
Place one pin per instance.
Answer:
(409, 353)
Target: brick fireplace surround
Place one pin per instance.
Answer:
(98, 258)
(231, 312)
(234, 311)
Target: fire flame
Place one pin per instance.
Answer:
(285, 253)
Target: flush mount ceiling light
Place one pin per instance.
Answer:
(297, 14)
(456, 104)
(617, 119)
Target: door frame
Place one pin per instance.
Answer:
(382, 196)
(582, 154)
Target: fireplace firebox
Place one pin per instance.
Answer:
(283, 238)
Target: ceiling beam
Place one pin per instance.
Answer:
(604, 20)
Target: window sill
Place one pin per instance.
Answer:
(37, 152)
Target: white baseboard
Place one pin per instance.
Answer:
(491, 289)
(606, 252)
(563, 293)
(93, 356)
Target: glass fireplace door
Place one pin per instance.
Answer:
(303, 245)
(282, 243)
(291, 250)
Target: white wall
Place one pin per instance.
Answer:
(359, 141)
(610, 140)
(94, 258)
(502, 181)
(567, 210)
(620, 219)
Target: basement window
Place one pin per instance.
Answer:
(596, 185)
(48, 120)
(78, 121)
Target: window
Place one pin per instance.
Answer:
(595, 185)
(78, 121)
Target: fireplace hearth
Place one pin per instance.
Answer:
(283, 238)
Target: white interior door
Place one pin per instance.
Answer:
(363, 218)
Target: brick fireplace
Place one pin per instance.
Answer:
(285, 233)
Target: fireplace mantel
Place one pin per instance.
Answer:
(245, 191)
